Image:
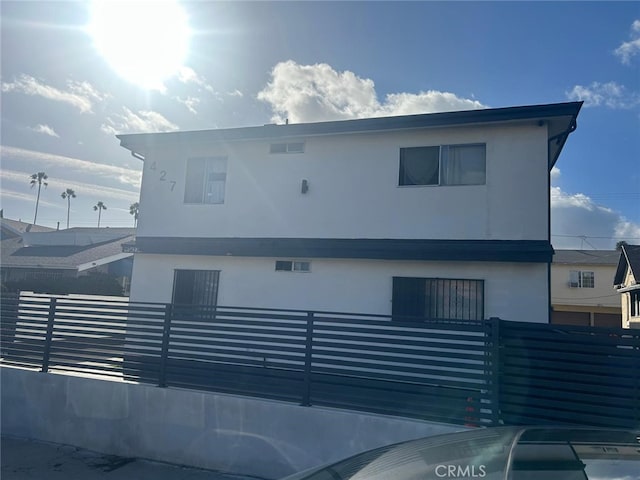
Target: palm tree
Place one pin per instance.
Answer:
(99, 207)
(134, 209)
(68, 194)
(38, 179)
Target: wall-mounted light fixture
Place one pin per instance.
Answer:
(304, 188)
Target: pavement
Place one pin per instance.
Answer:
(23, 459)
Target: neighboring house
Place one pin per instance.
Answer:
(56, 254)
(581, 292)
(627, 282)
(15, 228)
(440, 215)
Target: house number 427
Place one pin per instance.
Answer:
(163, 176)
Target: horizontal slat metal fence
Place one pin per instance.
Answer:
(569, 374)
(106, 336)
(476, 373)
(238, 350)
(22, 342)
(422, 370)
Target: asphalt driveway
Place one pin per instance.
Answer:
(23, 459)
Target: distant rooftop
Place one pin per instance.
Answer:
(74, 248)
(587, 257)
(15, 228)
(76, 236)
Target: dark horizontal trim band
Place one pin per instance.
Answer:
(539, 251)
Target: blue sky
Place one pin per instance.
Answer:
(253, 63)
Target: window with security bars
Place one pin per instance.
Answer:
(196, 287)
(438, 298)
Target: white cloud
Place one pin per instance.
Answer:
(629, 230)
(42, 161)
(627, 50)
(579, 222)
(307, 93)
(236, 93)
(80, 95)
(190, 102)
(188, 75)
(24, 197)
(555, 175)
(610, 94)
(45, 129)
(138, 122)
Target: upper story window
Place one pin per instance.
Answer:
(206, 179)
(295, 147)
(581, 279)
(443, 165)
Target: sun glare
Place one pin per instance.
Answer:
(145, 42)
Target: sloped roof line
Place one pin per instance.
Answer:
(14, 255)
(19, 227)
(586, 257)
(629, 257)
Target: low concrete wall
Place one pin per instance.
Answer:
(221, 432)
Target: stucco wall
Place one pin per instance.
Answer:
(222, 432)
(353, 189)
(602, 295)
(625, 299)
(513, 291)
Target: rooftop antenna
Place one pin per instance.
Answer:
(286, 121)
(583, 240)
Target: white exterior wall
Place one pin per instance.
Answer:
(625, 299)
(513, 291)
(353, 189)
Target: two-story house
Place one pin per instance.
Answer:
(438, 215)
(627, 283)
(581, 292)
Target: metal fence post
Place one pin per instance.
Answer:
(306, 395)
(636, 384)
(164, 352)
(49, 335)
(495, 370)
(9, 307)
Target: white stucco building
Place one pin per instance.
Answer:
(440, 215)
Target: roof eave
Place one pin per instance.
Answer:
(629, 288)
(141, 142)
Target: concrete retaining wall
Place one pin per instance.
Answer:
(221, 432)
